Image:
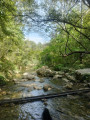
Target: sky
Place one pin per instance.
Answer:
(37, 37)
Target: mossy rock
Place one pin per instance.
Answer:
(83, 75)
(2, 80)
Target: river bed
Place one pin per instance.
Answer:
(61, 108)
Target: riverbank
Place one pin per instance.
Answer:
(34, 84)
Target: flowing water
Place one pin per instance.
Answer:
(61, 108)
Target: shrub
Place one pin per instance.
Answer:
(2, 80)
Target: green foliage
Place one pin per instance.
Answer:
(15, 53)
(11, 36)
(2, 80)
(66, 40)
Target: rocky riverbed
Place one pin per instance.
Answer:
(42, 82)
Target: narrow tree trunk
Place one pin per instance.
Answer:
(38, 98)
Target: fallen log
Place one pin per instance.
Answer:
(38, 98)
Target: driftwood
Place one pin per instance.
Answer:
(38, 98)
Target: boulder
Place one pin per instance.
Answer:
(15, 80)
(47, 87)
(59, 73)
(37, 88)
(69, 85)
(25, 73)
(57, 77)
(83, 75)
(45, 72)
(69, 77)
(28, 76)
(65, 79)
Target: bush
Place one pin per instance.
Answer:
(58, 67)
(2, 80)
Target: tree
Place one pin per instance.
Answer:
(11, 36)
(69, 40)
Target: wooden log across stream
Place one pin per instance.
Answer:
(38, 98)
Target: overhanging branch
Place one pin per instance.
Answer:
(74, 38)
(77, 52)
(83, 34)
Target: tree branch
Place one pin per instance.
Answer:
(82, 34)
(62, 21)
(74, 38)
(75, 52)
(88, 1)
(51, 20)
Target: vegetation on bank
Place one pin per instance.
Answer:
(69, 46)
(16, 53)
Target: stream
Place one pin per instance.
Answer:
(61, 108)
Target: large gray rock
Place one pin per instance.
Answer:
(83, 75)
(28, 76)
(45, 72)
(84, 71)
